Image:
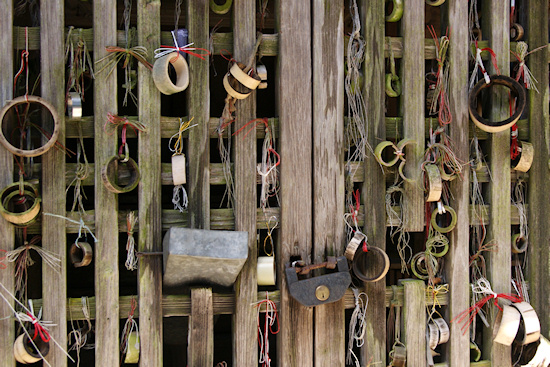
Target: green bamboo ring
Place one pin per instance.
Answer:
(221, 9)
(444, 175)
(444, 246)
(26, 217)
(416, 261)
(397, 12)
(451, 225)
(393, 85)
(519, 244)
(378, 153)
(435, 2)
(402, 174)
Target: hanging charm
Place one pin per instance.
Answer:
(131, 258)
(179, 178)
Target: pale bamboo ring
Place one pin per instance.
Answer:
(444, 332)
(250, 81)
(26, 217)
(531, 323)
(227, 79)
(506, 325)
(354, 244)
(433, 335)
(74, 106)
(29, 152)
(451, 225)
(24, 352)
(393, 85)
(221, 9)
(109, 174)
(397, 11)
(434, 183)
(161, 77)
(81, 254)
(359, 263)
(527, 153)
(519, 244)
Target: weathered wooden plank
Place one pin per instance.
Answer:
(414, 325)
(328, 168)
(54, 285)
(495, 24)
(293, 87)
(149, 192)
(201, 328)
(458, 256)
(374, 181)
(6, 166)
(539, 200)
(245, 333)
(413, 111)
(106, 224)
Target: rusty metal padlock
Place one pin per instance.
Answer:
(321, 289)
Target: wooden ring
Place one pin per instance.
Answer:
(434, 183)
(359, 263)
(378, 153)
(451, 225)
(497, 126)
(161, 77)
(527, 153)
(249, 81)
(393, 85)
(516, 32)
(421, 272)
(110, 174)
(397, 11)
(7, 112)
(435, 2)
(519, 244)
(24, 352)
(26, 217)
(221, 9)
(81, 254)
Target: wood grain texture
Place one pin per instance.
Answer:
(374, 181)
(54, 285)
(328, 168)
(201, 329)
(7, 329)
(293, 90)
(413, 104)
(149, 192)
(539, 196)
(245, 333)
(495, 25)
(414, 322)
(106, 203)
(458, 257)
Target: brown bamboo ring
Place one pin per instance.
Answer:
(81, 254)
(516, 32)
(359, 265)
(497, 126)
(29, 152)
(228, 81)
(251, 81)
(26, 217)
(109, 174)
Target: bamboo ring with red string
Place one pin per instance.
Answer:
(452, 223)
(81, 254)
(516, 32)
(527, 153)
(516, 89)
(11, 111)
(20, 205)
(112, 178)
(363, 261)
(519, 243)
(24, 352)
(161, 77)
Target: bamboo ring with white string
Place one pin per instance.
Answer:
(20, 208)
(178, 169)
(516, 32)
(452, 223)
(221, 8)
(354, 244)
(161, 76)
(117, 181)
(397, 11)
(506, 325)
(435, 2)
(373, 255)
(24, 352)
(516, 89)
(10, 112)
(531, 323)
(81, 254)
(444, 332)
(433, 181)
(519, 243)
(74, 106)
(393, 85)
(527, 153)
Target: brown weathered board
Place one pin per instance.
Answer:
(201, 329)
(414, 322)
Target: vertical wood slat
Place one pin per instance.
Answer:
(106, 203)
(201, 323)
(293, 89)
(149, 193)
(458, 256)
(414, 316)
(245, 338)
(539, 195)
(374, 184)
(496, 26)
(54, 285)
(413, 98)
(6, 166)
(328, 168)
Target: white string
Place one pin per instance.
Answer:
(131, 258)
(357, 326)
(263, 335)
(129, 326)
(182, 207)
(397, 226)
(519, 203)
(268, 172)
(80, 223)
(48, 257)
(479, 64)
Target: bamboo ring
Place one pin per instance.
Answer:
(112, 178)
(531, 323)
(228, 79)
(178, 169)
(433, 335)
(475, 348)
(261, 71)
(8, 111)
(353, 245)
(519, 244)
(393, 85)
(397, 11)
(419, 267)
(24, 352)
(375, 254)
(220, 9)
(451, 225)
(249, 81)
(81, 254)
(401, 169)
(506, 325)
(497, 126)
(74, 106)
(379, 150)
(435, 2)
(161, 77)
(444, 175)
(434, 183)
(525, 160)
(8, 207)
(516, 32)
(444, 332)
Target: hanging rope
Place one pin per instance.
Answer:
(225, 151)
(80, 333)
(357, 326)
(180, 201)
(131, 258)
(80, 62)
(129, 326)
(441, 102)
(82, 171)
(398, 225)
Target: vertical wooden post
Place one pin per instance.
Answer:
(245, 338)
(295, 340)
(414, 316)
(54, 285)
(201, 323)
(412, 99)
(149, 193)
(374, 184)
(6, 166)
(458, 256)
(496, 26)
(539, 195)
(106, 203)
(328, 168)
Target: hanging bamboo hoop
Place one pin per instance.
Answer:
(530, 321)
(393, 85)
(161, 77)
(261, 70)
(74, 106)
(250, 80)
(371, 265)
(81, 254)
(24, 352)
(9, 121)
(397, 11)
(222, 8)
(434, 183)
(443, 328)
(228, 80)
(506, 325)
(266, 270)
(525, 158)
(519, 244)
(433, 335)
(378, 152)
(419, 266)
(452, 223)
(120, 176)
(516, 32)
(353, 245)
(435, 2)
(20, 210)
